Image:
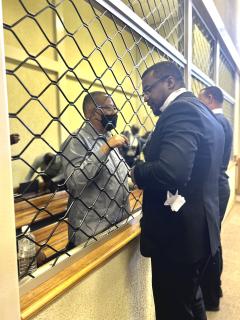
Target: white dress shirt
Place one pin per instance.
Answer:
(217, 111)
(172, 97)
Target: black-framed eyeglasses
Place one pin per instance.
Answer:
(148, 89)
(107, 108)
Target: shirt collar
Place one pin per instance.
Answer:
(217, 111)
(172, 97)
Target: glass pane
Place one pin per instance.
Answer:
(203, 47)
(226, 75)
(165, 17)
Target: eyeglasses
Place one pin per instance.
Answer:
(108, 108)
(147, 90)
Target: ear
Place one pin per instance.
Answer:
(91, 112)
(210, 98)
(171, 81)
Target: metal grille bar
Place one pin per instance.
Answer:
(76, 49)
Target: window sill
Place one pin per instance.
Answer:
(38, 298)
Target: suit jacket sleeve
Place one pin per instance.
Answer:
(176, 148)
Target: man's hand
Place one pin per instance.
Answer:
(116, 141)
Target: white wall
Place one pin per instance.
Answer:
(230, 13)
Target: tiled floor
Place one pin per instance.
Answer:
(230, 303)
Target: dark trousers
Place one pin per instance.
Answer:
(176, 291)
(211, 281)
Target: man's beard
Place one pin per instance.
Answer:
(156, 109)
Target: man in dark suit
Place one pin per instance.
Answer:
(184, 155)
(212, 97)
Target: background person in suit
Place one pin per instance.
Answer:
(184, 153)
(51, 165)
(131, 152)
(212, 97)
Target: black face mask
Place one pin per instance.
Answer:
(109, 122)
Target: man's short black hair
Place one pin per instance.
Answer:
(215, 92)
(134, 129)
(90, 99)
(165, 68)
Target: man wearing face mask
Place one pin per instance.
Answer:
(96, 174)
(179, 227)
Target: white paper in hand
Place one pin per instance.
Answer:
(175, 201)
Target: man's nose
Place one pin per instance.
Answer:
(111, 113)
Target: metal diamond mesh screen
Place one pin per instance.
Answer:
(66, 192)
(203, 46)
(197, 86)
(226, 75)
(165, 17)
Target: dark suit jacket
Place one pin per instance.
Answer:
(224, 190)
(184, 153)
